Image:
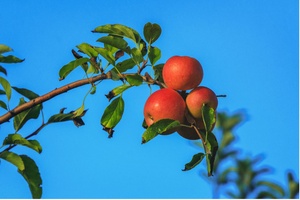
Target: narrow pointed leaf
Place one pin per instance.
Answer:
(116, 91)
(79, 111)
(61, 117)
(26, 93)
(151, 32)
(68, 68)
(6, 86)
(211, 148)
(272, 186)
(4, 48)
(18, 139)
(3, 105)
(209, 117)
(3, 70)
(10, 59)
(13, 158)
(159, 127)
(32, 175)
(197, 158)
(113, 113)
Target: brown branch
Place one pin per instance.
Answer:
(10, 114)
(18, 109)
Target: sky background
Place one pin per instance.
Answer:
(248, 50)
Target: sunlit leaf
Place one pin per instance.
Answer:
(211, 148)
(197, 158)
(118, 30)
(137, 55)
(13, 159)
(87, 49)
(79, 111)
(32, 175)
(134, 79)
(18, 139)
(154, 55)
(113, 113)
(106, 54)
(6, 86)
(209, 117)
(23, 117)
(116, 91)
(4, 48)
(68, 68)
(159, 127)
(151, 32)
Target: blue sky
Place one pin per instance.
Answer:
(248, 49)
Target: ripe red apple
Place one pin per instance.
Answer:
(199, 96)
(182, 73)
(165, 103)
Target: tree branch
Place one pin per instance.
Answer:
(10, 114)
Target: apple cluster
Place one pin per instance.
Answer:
(183, 94)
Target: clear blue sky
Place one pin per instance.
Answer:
(248, 49)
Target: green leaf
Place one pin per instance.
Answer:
(4, 48)
(113, 113)
(151, 32)
(10, 59)
(272, 186)
(115, 41)
(211, 148)
(6, 86)
(116, 91)
(293, 186)
(3, 105)
(61, 117)
(137, 56)
(197, 158)
(159, 127)
(13, 158)
(23, 117)
(158, 72)
(209, 117)
(79, 111)
(26, 93)
(3, 70)
(154, 55)
(124, 66)
(32, 175)
(87, 49)
(106, 54)
(18, 139)
(68, 68)
(119, 30)
(134, 79)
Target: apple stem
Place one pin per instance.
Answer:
(222, 95)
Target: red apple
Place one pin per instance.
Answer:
(164, 104)
(182, 73)
(199, 96)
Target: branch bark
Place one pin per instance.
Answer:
(10, 114)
